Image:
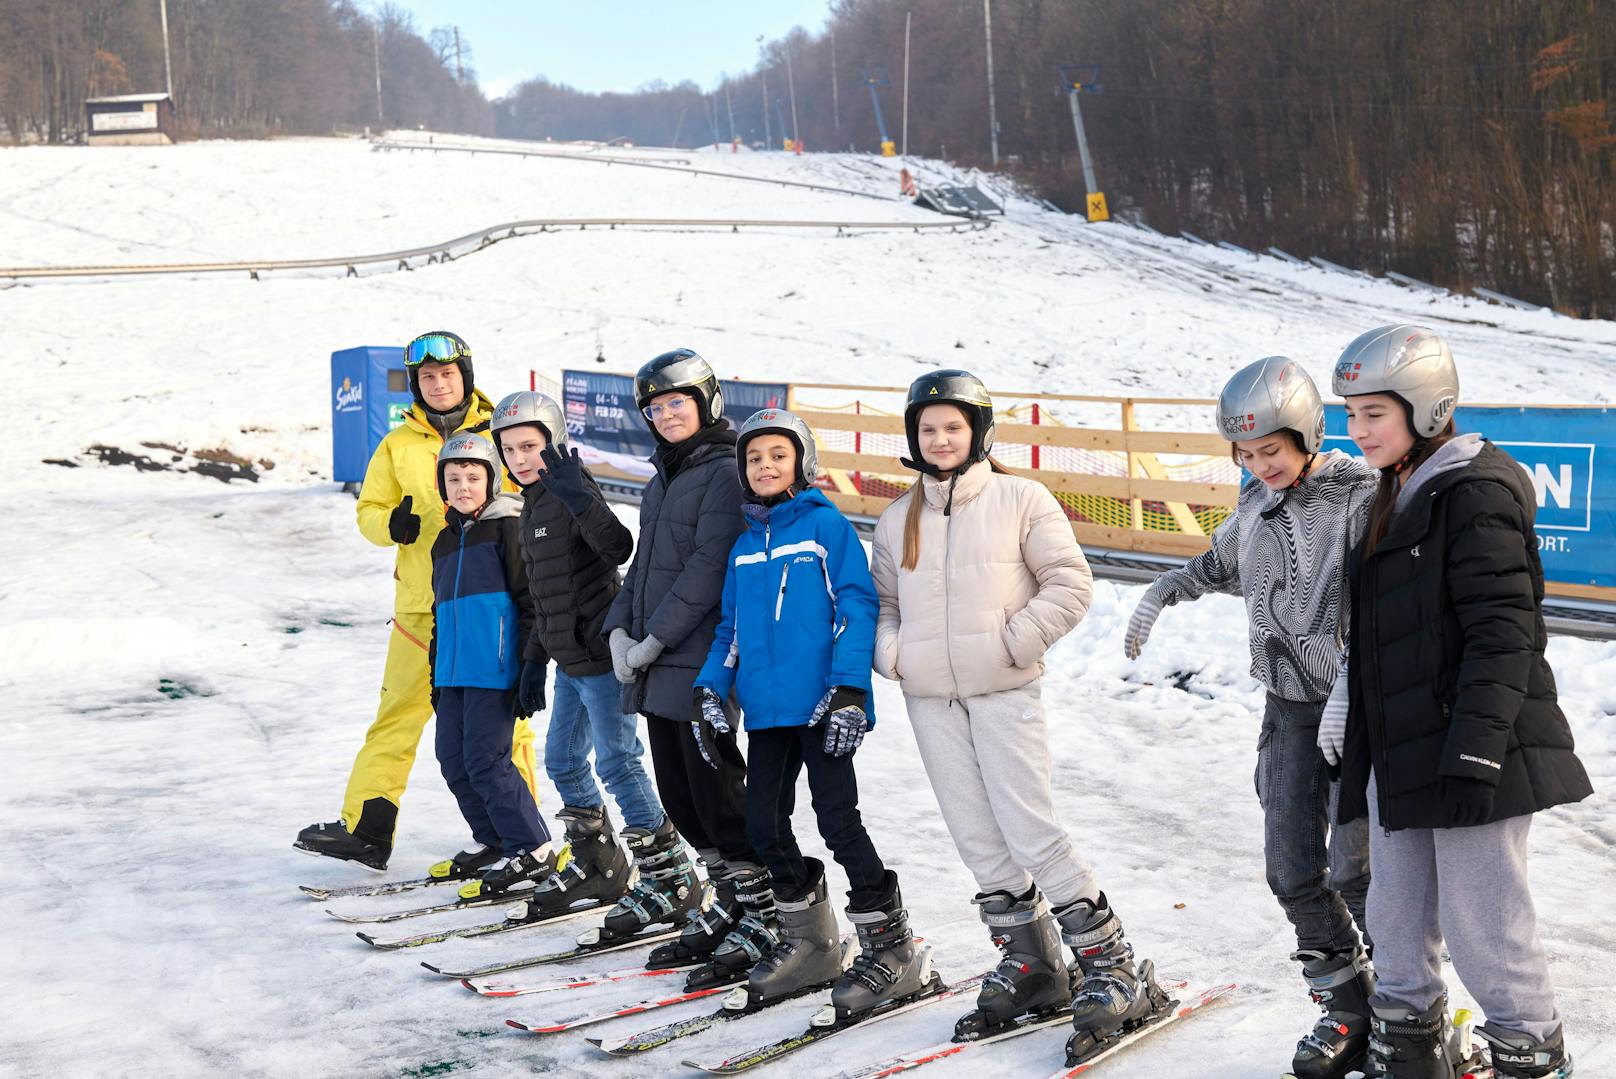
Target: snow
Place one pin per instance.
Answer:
(214, 650)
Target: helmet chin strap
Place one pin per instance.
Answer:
(1307, 466)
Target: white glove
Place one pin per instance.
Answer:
(1333, 723)
(1144, 617)
(643, 654)
(620, 642)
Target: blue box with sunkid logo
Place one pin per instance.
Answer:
(370, 393)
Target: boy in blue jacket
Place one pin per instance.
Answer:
(794, 645)
(482, 618)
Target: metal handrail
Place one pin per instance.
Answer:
(482, 238)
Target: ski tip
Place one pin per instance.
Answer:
(518, 1026)
(428, 966)
(367, 938)
(314, 893)
(467, 983)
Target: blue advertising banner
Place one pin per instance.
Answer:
(601, 412)
(1570, 456)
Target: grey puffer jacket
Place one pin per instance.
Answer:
(1286, 552)
(674, 588)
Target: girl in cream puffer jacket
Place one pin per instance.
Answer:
(978, 574)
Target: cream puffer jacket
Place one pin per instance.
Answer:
(1000, 578)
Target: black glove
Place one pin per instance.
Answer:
(435, 692)
(563, 477)
(842, 710)
(530, 690)
(404, 526)
(1465, 801)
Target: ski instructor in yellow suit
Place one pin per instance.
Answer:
(399, 504)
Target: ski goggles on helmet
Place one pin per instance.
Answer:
(436, 348)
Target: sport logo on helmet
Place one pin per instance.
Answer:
(1347, 371)
(767, 416)
(1237, 425)
(508, 410)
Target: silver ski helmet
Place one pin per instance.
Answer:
(682, 369)
(469, 446)
(950, 386)
(438, 346)
(1409, 362)
(528, 407)
(777, 421)
(1274, 394)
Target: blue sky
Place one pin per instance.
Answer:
(614, 44)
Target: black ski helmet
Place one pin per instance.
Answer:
(438, 346)
(949, 387)
(682, 369)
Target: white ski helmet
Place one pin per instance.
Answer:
(1273, 394)
(468, 446)
(777, 421)
(1409, 362)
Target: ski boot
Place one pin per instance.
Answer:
(515, 877)
(1409, 1044)
(1517, 1056)
(754, 936)
(705, 928)
(335, 841)
(466, 864)
(667, 888)
(1116, 994)
(1032, 979)
(1341, 983)
(890, 967)
(808, 955)
(593, 867)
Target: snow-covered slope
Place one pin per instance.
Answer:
(190, 666)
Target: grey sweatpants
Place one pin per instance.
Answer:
(988, 761)
(1467, 886)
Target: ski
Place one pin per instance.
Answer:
(484, 930)
(436, 908)
(825, 1025)
(1149, 1027)
(583, 981)
(388, 887)
(738, 1004)
(616, 1013)
(1022, 1024)
(588, 944)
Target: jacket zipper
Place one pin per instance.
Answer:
(1378, 754)
(460, 561)
(948, 629)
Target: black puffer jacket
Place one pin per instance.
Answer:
(675, 586)
(572, 575)
(1446, 667)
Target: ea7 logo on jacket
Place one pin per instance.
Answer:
(540, 533)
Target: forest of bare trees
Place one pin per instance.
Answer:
(241, 67)
(1459, 141)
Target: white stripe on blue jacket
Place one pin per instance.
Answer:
(798, 614)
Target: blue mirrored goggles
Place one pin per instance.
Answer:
(436, 347)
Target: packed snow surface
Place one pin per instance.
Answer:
(190, 665)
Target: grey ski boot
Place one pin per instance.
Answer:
(1032, 978)
(890, 969)
(1116, 994)
(809, 955)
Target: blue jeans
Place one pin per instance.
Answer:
(586, 714)
(1319, 874)
(473, 741)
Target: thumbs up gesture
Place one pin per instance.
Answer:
(404, 526)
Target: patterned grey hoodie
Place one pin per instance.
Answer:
(1286, 552)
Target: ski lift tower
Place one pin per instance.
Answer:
(1084, 79)
(873, 79)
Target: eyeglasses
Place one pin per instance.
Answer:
(677, 403)
(437, 347)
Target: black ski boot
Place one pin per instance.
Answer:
(333, 840)
(1409, 1044)
(1116, 994)
(1031, 979)
(808, 956)
(1340, 983)
(515, 877)
(754, 936)
(466, 864)
(1518, 1056)
(890, 967)
(667, 888)
(705, 927)
(593, 867)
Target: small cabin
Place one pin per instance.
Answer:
(129, 120)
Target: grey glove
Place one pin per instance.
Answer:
(620, 642)
(710, 719)
(841, 709)
(1333, 723)
(1144, 617)
(644, 653)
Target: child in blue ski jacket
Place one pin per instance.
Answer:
(794, 645)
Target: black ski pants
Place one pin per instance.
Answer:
(708, 806)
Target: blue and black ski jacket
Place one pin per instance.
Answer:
(798, 616)
(482, 612)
